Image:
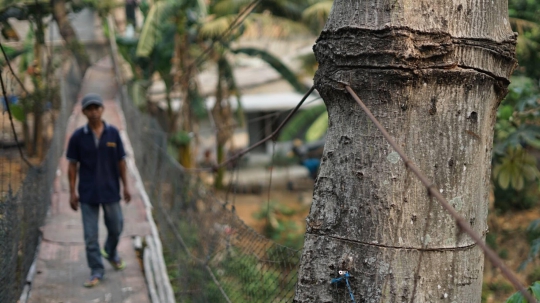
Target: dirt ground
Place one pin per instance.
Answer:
(508, 233)
(12, 168)
(248, 205)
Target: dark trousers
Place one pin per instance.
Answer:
(114, 222)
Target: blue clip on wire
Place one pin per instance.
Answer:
(344, 275)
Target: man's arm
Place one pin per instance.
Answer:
(72, 176)
(122, 168)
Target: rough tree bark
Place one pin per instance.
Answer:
(433, 72)
(69, 35)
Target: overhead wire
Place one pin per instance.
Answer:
(252, 120)
(240, 18)
(259, 143)
(272, 136)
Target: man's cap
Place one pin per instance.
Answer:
(90, 99)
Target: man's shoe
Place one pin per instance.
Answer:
(117, 263)
(104, 253)
(93, 281)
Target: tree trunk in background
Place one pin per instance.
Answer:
(182, 75)
(68, 34)
(222, 115)
(433, 72)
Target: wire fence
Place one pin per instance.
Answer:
(25, 196)
(212, 255)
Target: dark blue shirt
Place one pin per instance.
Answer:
(99, 174)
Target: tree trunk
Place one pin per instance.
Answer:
(433, 73)
(68, 34)
(27, 138)
(222, 115)
(182, 76)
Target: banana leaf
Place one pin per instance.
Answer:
(150, 31)
(279, 66)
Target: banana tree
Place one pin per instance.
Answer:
(166, 46)
(34, 12)
(216, 31)
(60, 14)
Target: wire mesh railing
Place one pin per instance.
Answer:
(212, 255)
(23, 211)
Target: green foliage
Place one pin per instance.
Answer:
(102, 7)
(300, 123)
(186, 274)
(150, 31)
(524, 16)
(244, 273)
(515, 168)
(512, 199)
(317, 14)
(516, 140)
(497, 289)
(279, 226)
(503, 254)
(282, 8)
(17, 111)
(127, 47)
(283, 159)
(533, 235)
(318, 129)
(534, 275)
(166, 14)
(500, 286)
(519, 298)
(13, 53)
(491, 240)
(180, 138)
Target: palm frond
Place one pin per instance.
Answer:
(150, 32)
(317, 14)
(300, 123)
(271, 26)
(227, 7)
(193, 9)
(291, 10)
(13, 53)
(215, 28)
(318, 128)
(273, 61)
(521, 24)
(256, 25)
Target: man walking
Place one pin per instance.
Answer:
(96, 154)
